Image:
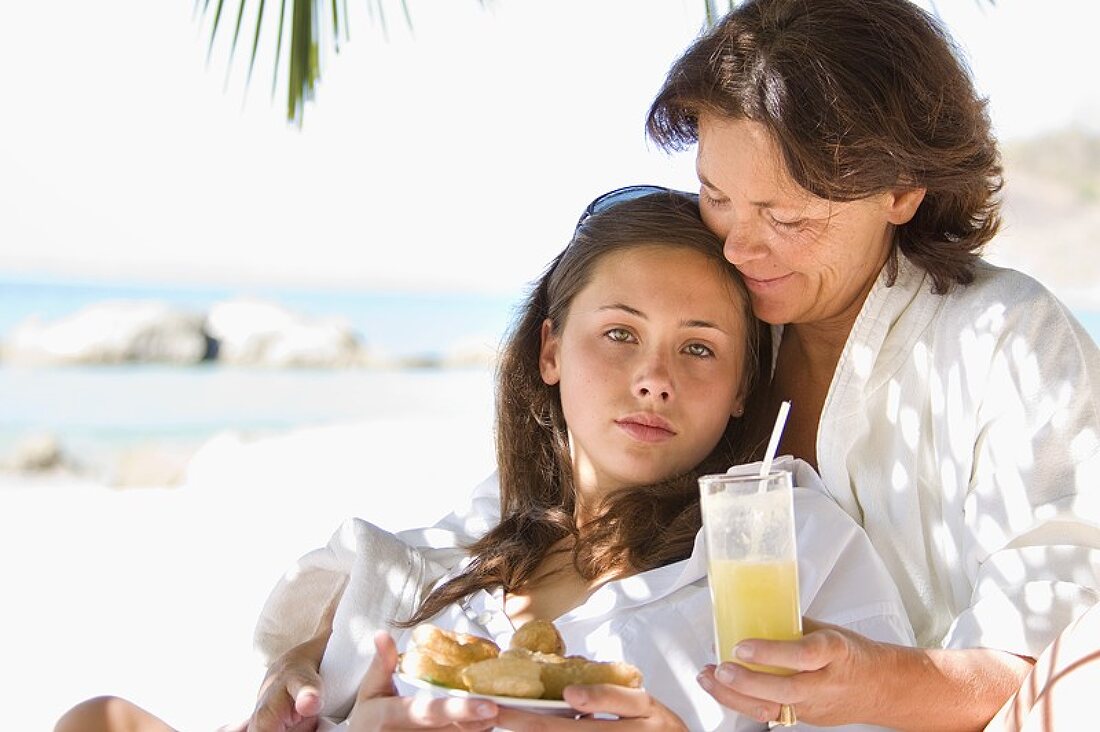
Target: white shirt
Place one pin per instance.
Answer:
(659, 620)
(962, 431)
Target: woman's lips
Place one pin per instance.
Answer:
(764, 285)
(646, 428)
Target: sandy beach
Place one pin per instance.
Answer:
(151, 593)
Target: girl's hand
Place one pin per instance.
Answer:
(636, 709)
(378, 707)
(290, 696)
(836, 681)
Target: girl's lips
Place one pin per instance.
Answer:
(646, 429)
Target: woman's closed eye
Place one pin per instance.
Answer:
(711, 200)
(791, 225)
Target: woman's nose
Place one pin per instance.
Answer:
(743, 242)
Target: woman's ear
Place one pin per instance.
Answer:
(902, 204)
(548, 354)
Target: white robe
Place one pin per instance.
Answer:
(962, 432)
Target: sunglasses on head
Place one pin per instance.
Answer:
(617, 196)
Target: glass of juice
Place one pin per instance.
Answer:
(752, 563)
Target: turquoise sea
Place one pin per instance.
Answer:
(98, 412)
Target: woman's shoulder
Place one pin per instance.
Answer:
(1000, 299)
(994, 279)
(996, 284)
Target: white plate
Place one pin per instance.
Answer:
(538, 706)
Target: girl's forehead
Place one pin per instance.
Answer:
(654, 247)
(662, 259)
(678, 273)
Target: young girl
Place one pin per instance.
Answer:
(624, 378)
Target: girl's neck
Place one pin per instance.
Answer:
(556, 589)
(589, 495)
(585, 511)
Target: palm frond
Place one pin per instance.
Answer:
(279, 49)
(303, 57)
(255, 42)
(303, 23)
(214, 29)
(236, 36)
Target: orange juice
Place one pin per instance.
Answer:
(754, 599)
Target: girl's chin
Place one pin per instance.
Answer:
(637, 479)
(632, 470)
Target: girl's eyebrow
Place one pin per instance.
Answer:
(625, 308)
(639, 314)
(701, 324)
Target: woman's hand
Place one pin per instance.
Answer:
(846, 678)
(378, 707)
(839, 680)
(636, 709)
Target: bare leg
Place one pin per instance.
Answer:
(109, 714)
(1060, 692)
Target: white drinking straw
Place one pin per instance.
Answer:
(773, 443)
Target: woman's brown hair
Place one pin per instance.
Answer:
(637, 528)
(860, 96)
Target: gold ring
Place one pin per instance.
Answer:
(787, 717)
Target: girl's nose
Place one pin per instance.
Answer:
(654, 380)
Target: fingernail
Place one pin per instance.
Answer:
(743, 651)
(705, 682)
(484, 710)
(580, 696)
(725, 674)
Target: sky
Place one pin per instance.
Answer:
(455, 156)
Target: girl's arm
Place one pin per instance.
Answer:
(292, 689)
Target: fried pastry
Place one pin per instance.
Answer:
(453, 649)
(438, 655)
(505, 676)
(420, 664)
(539, 635)
(558, 672)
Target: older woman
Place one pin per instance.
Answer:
(951, 407)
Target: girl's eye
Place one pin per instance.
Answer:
(698, 350)
(620, 335)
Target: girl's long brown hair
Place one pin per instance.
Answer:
(637, 528)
